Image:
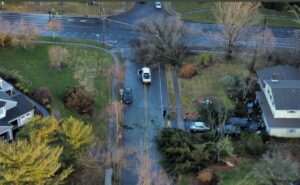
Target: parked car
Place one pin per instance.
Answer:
(145, 74)
(127, 96)
(157, 5)
(240, 122)
(198, 127)
(231, 130)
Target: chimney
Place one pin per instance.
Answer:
(274, 77)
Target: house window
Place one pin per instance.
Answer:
(291, 130)
(291, 111)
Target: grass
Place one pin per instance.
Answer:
(185, 180)
(33, 66)
(68, 8)
(207, 82)
(171, 96)
(200, 12)
(241, 175)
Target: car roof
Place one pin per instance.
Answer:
(127, 89)
(198, 124)
(146, 69)
(238, 120)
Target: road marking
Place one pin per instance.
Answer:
(161, 104)
(82, 21)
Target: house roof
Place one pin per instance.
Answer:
(286, 94)
(275, 122)
(4, 97)
(282, 73)
(2, 103)
(22, 107)
(5, 126)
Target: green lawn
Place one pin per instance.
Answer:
(207, 82)
(241, 175)
(203, 12)
(33, 66)
(67, 8)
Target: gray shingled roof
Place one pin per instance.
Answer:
(2, 103)
(286, 94)
(283, 73)
(275, 122)
(5, 96)
(23, 107)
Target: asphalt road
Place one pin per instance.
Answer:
(144, 116)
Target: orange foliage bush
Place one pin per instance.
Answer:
(188, 71)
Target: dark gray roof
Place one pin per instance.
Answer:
(4, 127)
(275, 122)
(283, 73)
(2, 103)
(286, 94)
(22, 107)
(5, 96)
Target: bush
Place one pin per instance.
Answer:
(5, 40)
(43, 95)
(79, 100)
(58, 57)
(228, 80)
(205, 59)
(250, 145)
(188, 71)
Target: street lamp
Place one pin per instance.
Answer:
(121, 91)
(97, 35)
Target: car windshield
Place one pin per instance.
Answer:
(146, 75)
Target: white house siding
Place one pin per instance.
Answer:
(285, 132)
(269, 100)
(25, 118)
(287, 114)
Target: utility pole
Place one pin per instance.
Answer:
(103, 18)
(265, 23)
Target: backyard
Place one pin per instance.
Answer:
(207, 83)
(34, 67)
(204, 12)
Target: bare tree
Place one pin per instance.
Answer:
(26, 32)
(277, 168)
(147, 173)
(6, 33)
(234, 19)
(162, 40)
(58, 57)
(115, 110)
(263, 50)
(54, 26)
(246, 84)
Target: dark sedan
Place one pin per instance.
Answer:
(127, 96)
